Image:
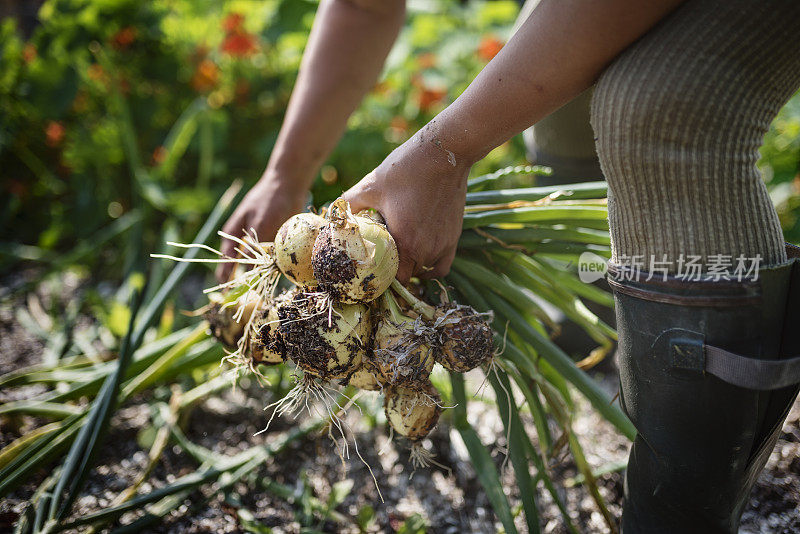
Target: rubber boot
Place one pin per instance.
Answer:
(702, 441)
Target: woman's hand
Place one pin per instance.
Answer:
(265, 208)
(420, 190)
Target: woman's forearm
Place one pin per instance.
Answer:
(557, 53)
(346, 50)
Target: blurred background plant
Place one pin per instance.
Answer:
(780, 161)
(156, 107)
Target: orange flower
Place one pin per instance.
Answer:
(428, 98)
(239, 44)
(159, 154)
(54, 133)
(205, 77)
(399, 124)
(29, 53)
(426, 60)
(96, 72)
(241, 92)
(489, 47)
(124, 38)
(233, 22)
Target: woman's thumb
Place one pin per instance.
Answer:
(358, 195)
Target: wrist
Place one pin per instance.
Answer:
(454, 138)
(289, 181)
(293, 191)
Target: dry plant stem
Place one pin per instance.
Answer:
(596, 356)
(260, 282)
(159, 444)
(546, 201)
(154, 455)
(425, 310)
(499, 241)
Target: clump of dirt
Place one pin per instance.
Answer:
(333, 268)
(301, 331)
(465, 339)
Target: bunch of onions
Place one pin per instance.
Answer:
(355, 257)
(331, 326)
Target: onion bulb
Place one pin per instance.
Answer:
(294, 244)
(413, 414)
(364, 378)
(402, 354)
(221, 322)
(465, 338)
(327, 342)
(355, 257)
(266, 345)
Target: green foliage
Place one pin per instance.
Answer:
(780, 161)
(415, 524)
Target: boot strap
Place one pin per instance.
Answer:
(735, 369)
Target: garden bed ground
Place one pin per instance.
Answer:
(450, 502)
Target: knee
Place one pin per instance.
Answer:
(648, 120)
(642, 122)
